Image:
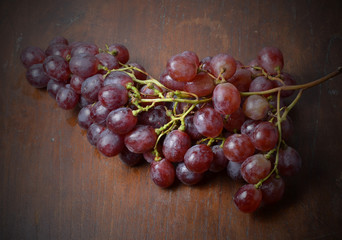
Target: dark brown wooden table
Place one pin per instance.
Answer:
(54, 185)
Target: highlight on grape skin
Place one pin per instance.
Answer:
(213, 114)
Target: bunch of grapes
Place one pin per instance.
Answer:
(212, 115)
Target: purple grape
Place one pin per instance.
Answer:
(36, 76)
(175, 145)
(186, 176)
(141, 139)
(198, 158)
(110, 144)
(163, 173)
(32, 55)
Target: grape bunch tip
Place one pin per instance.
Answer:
(210, 115)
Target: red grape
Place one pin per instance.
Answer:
(202, 85)
(265, 136)
(248, 198)
(36, 76)
(121, 120)
(255, 168)
(186, 176)
(223, 65)
(220, 161)
(113, 96)
(208, 122)
(182, 67)
(175, 145)
(238, 147)
(141, 139)
(226, 98)
(289, 162)
(271, 59)
(109, 144)
(57, 68)
(272, 189)
(198, 158)
(255, 107)
(84, 119)
(120, 52)
(66, 98)
(163, 173)
(32, 55)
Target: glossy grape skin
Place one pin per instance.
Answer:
(248, 126)
(76, 83)
(220, 161)
(108, 61)
(113, 96)
(84, 48)
(271, 59)
(59, 40)
(155, 117)
(121, 120)
(91, 87)
(208, 122)
(261, 83)
(198, 158)
(182, 67)
(120, 52)
(202, 85)
(238, 147)
(191, 55)
(147, 92)
(66, 98)
(287, 128)
(32, 55)
(190, 128)
(138, 74)
(248, 198)
(99, 113)
(36, 76)
(255, 107)
(59, 50)
(57, 67)
(223, 65)
(186, 176)
(251, 64)
(110, 144)
(53, 86)
(141, 139)
(265, 136)
(234, 121)
(205, 64)
(175, 145)
(272, 189)
(226, 98)
(162, 173)
(234, 171)
(130, 158)
(94, 132)
(83, 102)
(241, 79)
(151, 155)
(84, 118)
(255, 168)
(289, 162)
(117, 78)
(84, 66)
(169, 82)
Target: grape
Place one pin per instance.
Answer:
(202, 85)
(84, 48)
(182, 67)
(271, 59)
(109, 144)
(108, 61)
(248, 126)
(32, 55)
(190, 128)
(176, 145)
(255, 107)
(113, 96)
(59, 40)
(261, 84)
(36, 76)
(155, 117)
(235, 120)
(248, 198)
(76, 83)
(186, 176)
(233, 171)
(58, 49)
(151, 155)
(91, 87)
(66, 98)
(286, 128)
(84, 66)
(272, 189)
(205, 64)
(121, 120)
(117, 78)
(57, 68)
(130, 158)
(289, 162)
(99, 113)
(169, 82)
(198, 158)
(84, 119)
(120, 52)
(223, 65)
(147, 92)
(191, 55)
(53, 86)
(265, 136)
(220, 161)
(208, 122)
(255, 168)
(226, 98)
(251, 64)
(288, 80)
(141, 139)
(238, 147)
(138, 74)
(94, 132)
(83, 102)
(163, 173)
(241, 79)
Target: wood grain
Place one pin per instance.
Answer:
(54, 185)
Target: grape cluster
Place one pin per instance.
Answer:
(212, 115)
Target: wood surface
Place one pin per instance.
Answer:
(55, 185)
